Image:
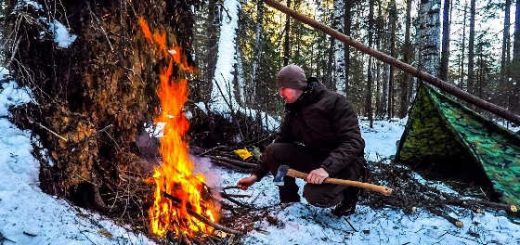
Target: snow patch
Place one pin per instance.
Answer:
(381, 140)
(22, 4)
(62, 37)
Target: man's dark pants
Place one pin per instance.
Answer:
(302, 159)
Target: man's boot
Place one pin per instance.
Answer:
(347, 206)
(289, 192)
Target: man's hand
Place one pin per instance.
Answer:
(317, 176)
(245, 182)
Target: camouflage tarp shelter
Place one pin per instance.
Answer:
(451, 140)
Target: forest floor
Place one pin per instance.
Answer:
(29, 216)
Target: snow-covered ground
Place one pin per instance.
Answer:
(302, 223)
(27, 215)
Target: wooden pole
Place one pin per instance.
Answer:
(424, 76)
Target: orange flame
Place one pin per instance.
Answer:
(175, 175)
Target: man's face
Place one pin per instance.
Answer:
(289, 95)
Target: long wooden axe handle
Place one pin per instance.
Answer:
(424, 76)
(377, 188)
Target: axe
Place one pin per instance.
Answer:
(284, 170)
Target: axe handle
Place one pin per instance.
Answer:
(377, 188)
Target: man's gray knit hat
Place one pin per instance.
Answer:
(291, 76)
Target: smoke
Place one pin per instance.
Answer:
(203, 165)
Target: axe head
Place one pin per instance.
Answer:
(280, 174)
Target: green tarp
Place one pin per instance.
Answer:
(447, 137)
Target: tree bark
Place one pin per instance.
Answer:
(286, 44)
(211, 56)
(380, 81)
(368, 95)
(338, 17)
(406, 83)
(471, 48)
(515, 70)
(445, 53)
(463, 52)
(429, 35)
(257, 52)
(506, 39)
(393, 29)
(347, 18)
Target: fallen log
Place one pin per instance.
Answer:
(235, 162)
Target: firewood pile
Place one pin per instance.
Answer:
(410, 193)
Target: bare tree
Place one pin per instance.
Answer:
(407, 57)
(445, 53)
(370, 81)
(471, 48)
(257, 52)
(286, 44)
(393, 29)
(515, 100)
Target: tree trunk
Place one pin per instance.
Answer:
(340, 78)
(211, 56)
(505, 91)
(393, 29)
(445, 53)
(286, 44)
(463, 51)
(368, 96)
(515, 69)
(222, 95)
(347, 18)
(257, 52)
(381, 71)
(481, 68)
(429, 35)
(471, 48)
(506, 39)
(406, 83)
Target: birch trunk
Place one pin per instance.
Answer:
(429, 35)
(445, 54)
(340, 76)
(222, 95)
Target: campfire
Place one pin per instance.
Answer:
(182, 201)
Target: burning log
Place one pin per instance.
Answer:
(203, 218)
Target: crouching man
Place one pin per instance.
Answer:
(319, 135)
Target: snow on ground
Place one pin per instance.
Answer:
(381, 140)
(301, 223)
(27, 215)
